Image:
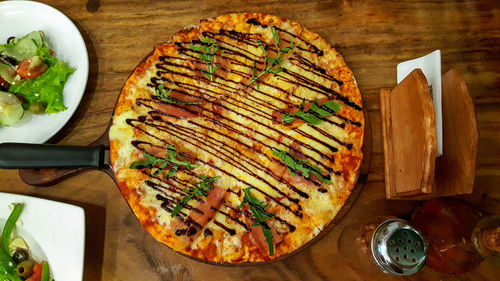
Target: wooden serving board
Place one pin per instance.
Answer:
(48, 177)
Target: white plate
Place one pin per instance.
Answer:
(54, 231)
(18, 18)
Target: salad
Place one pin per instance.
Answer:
(31, 78)
(16, 263)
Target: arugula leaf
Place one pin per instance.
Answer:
(288, 159)
(196, 48)
(172, 153)
(276, 38)
(181, 204)
(301, 165)
(333, 106)
(207, 54)
(172, 171)
(163, 94)
(208, 40)
(319, 111)
(171, 157)
(287, 118)
(314, 115)
(259, 215)
(201, 188)
(149, 162)
(270, 63)
(308, 118)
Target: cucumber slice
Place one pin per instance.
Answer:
(24, 47)
(8, 73)
(11, 110)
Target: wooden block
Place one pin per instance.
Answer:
(455, 170)
(409, 135)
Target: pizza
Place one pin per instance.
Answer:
(239, 140)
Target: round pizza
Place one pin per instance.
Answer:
(239, 140)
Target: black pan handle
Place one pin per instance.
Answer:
(42, 156)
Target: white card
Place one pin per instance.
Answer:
(431, 67)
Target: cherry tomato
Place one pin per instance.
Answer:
(31, 67)
(37, 273)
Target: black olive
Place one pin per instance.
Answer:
(9, 60)
(10, 39)
(20, 255)
(25, 268)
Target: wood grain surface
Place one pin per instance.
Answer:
(373, 36)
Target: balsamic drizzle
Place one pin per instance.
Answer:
(251, 105)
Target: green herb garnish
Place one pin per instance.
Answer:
(259, 216)
(163, 94)
(207, 54)
(7, 265)
(45, 272)
(171, 157)
(181, 204)
(300, 165)
(10, 224)
(270, 63)
(200, 190)
(44, 52)
(314, 115)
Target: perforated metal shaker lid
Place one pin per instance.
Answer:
(398, 248)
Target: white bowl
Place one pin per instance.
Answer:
(18, 18)
(54, 232)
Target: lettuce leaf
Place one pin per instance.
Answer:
(47, 88)
(44, 52)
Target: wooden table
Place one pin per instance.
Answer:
(373, 36)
